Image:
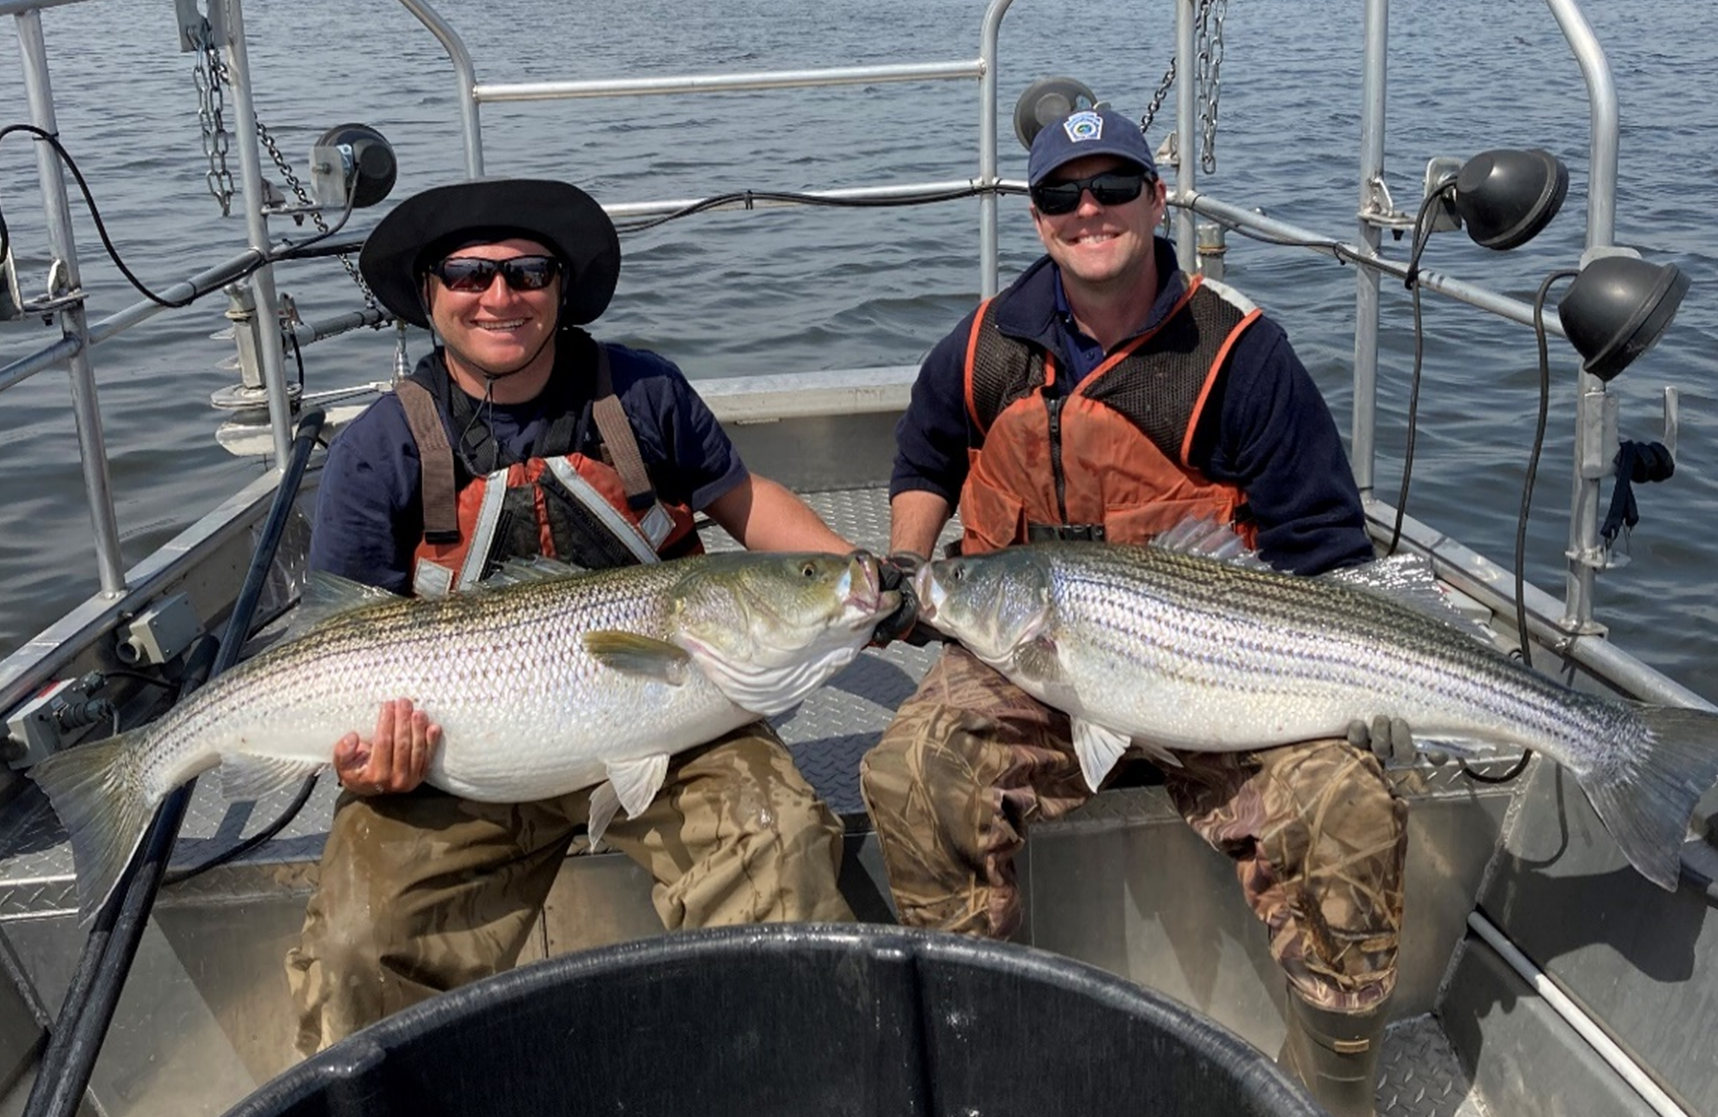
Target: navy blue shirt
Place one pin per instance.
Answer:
(1265, 428)
(369, 512)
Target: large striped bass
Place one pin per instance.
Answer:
(541, 688)
(1150, 645)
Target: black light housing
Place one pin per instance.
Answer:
(353, 164)
(1506, 196)
(1616, 308)
(1046, 101)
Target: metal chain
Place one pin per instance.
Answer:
(210, 104)
(1209, 83)
(303, 196)
(210, 76)
(1163, 88)
(1207, 80)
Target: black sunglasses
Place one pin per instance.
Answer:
(1109, 188)
(473, 274)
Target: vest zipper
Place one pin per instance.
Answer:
(1054, 405)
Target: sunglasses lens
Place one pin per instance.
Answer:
(1056, 198)
(529, 273)
(1116, 189)
(466, 275)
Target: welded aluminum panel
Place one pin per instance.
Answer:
(1642, 960)
(1514, 1047)
(1125, 883)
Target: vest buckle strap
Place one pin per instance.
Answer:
(1083, 533)
(657, 524)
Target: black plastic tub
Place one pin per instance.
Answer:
(861, 1020)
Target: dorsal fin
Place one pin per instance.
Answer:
(1203, 536)
(1408, 579)
(329, 595)
(537, 568)
(1405, 578)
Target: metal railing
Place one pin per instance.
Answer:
(1585, 554)
(472, 94)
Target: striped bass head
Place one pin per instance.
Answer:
(993, 603)
(767, 629)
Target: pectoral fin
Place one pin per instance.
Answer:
(631, 785)
(639, 655)
(1098, 749)
(636, 782)
(245, 778)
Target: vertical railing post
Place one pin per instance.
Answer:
(1584, 554)
(471, 126)
(1363, 429)
(226, 19)
(74, 322)
(989, 264)
(1186, 132)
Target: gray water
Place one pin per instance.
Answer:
(729, 294)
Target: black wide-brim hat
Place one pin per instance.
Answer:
(426, 227)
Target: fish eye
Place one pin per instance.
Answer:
(809, 569)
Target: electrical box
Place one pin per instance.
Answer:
(158, 633)
(36, 731)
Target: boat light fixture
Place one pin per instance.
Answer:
(352, 164)
(1616, 307)
(1046, 101)
(1507, 195)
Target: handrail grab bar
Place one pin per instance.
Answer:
(954, 70)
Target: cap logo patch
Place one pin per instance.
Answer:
(1084, 125)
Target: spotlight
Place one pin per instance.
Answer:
(352, 165)
(1506, 196)
(1046, 101)
(1616, 308)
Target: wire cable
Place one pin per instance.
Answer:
(1422, 235)
(747, 198)
(261, 258)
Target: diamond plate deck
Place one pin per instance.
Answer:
(1420, 1076)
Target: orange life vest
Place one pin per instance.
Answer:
(1108, 460)
(572, 507)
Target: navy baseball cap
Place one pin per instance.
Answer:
(1087, 132)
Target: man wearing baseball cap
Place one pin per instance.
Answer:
(521, 435)
(1106, 396)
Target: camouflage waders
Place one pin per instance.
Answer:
(1318, 838)
(425, 892)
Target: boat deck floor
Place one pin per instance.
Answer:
(1421, 1076)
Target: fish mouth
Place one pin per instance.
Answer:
(865, 586)
(926, 589)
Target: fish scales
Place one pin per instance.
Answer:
(1229, 633)
(400, 648)
(1184, 651)
(541, 688)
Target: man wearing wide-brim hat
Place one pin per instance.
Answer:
(520, 435)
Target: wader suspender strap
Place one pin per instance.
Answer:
(618, 437)
(440, 497)
(622, 447)
(441, 514)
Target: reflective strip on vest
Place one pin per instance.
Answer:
(619, 526)
(483, 533)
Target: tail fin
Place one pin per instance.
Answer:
(1646, 806)
(97, 794)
